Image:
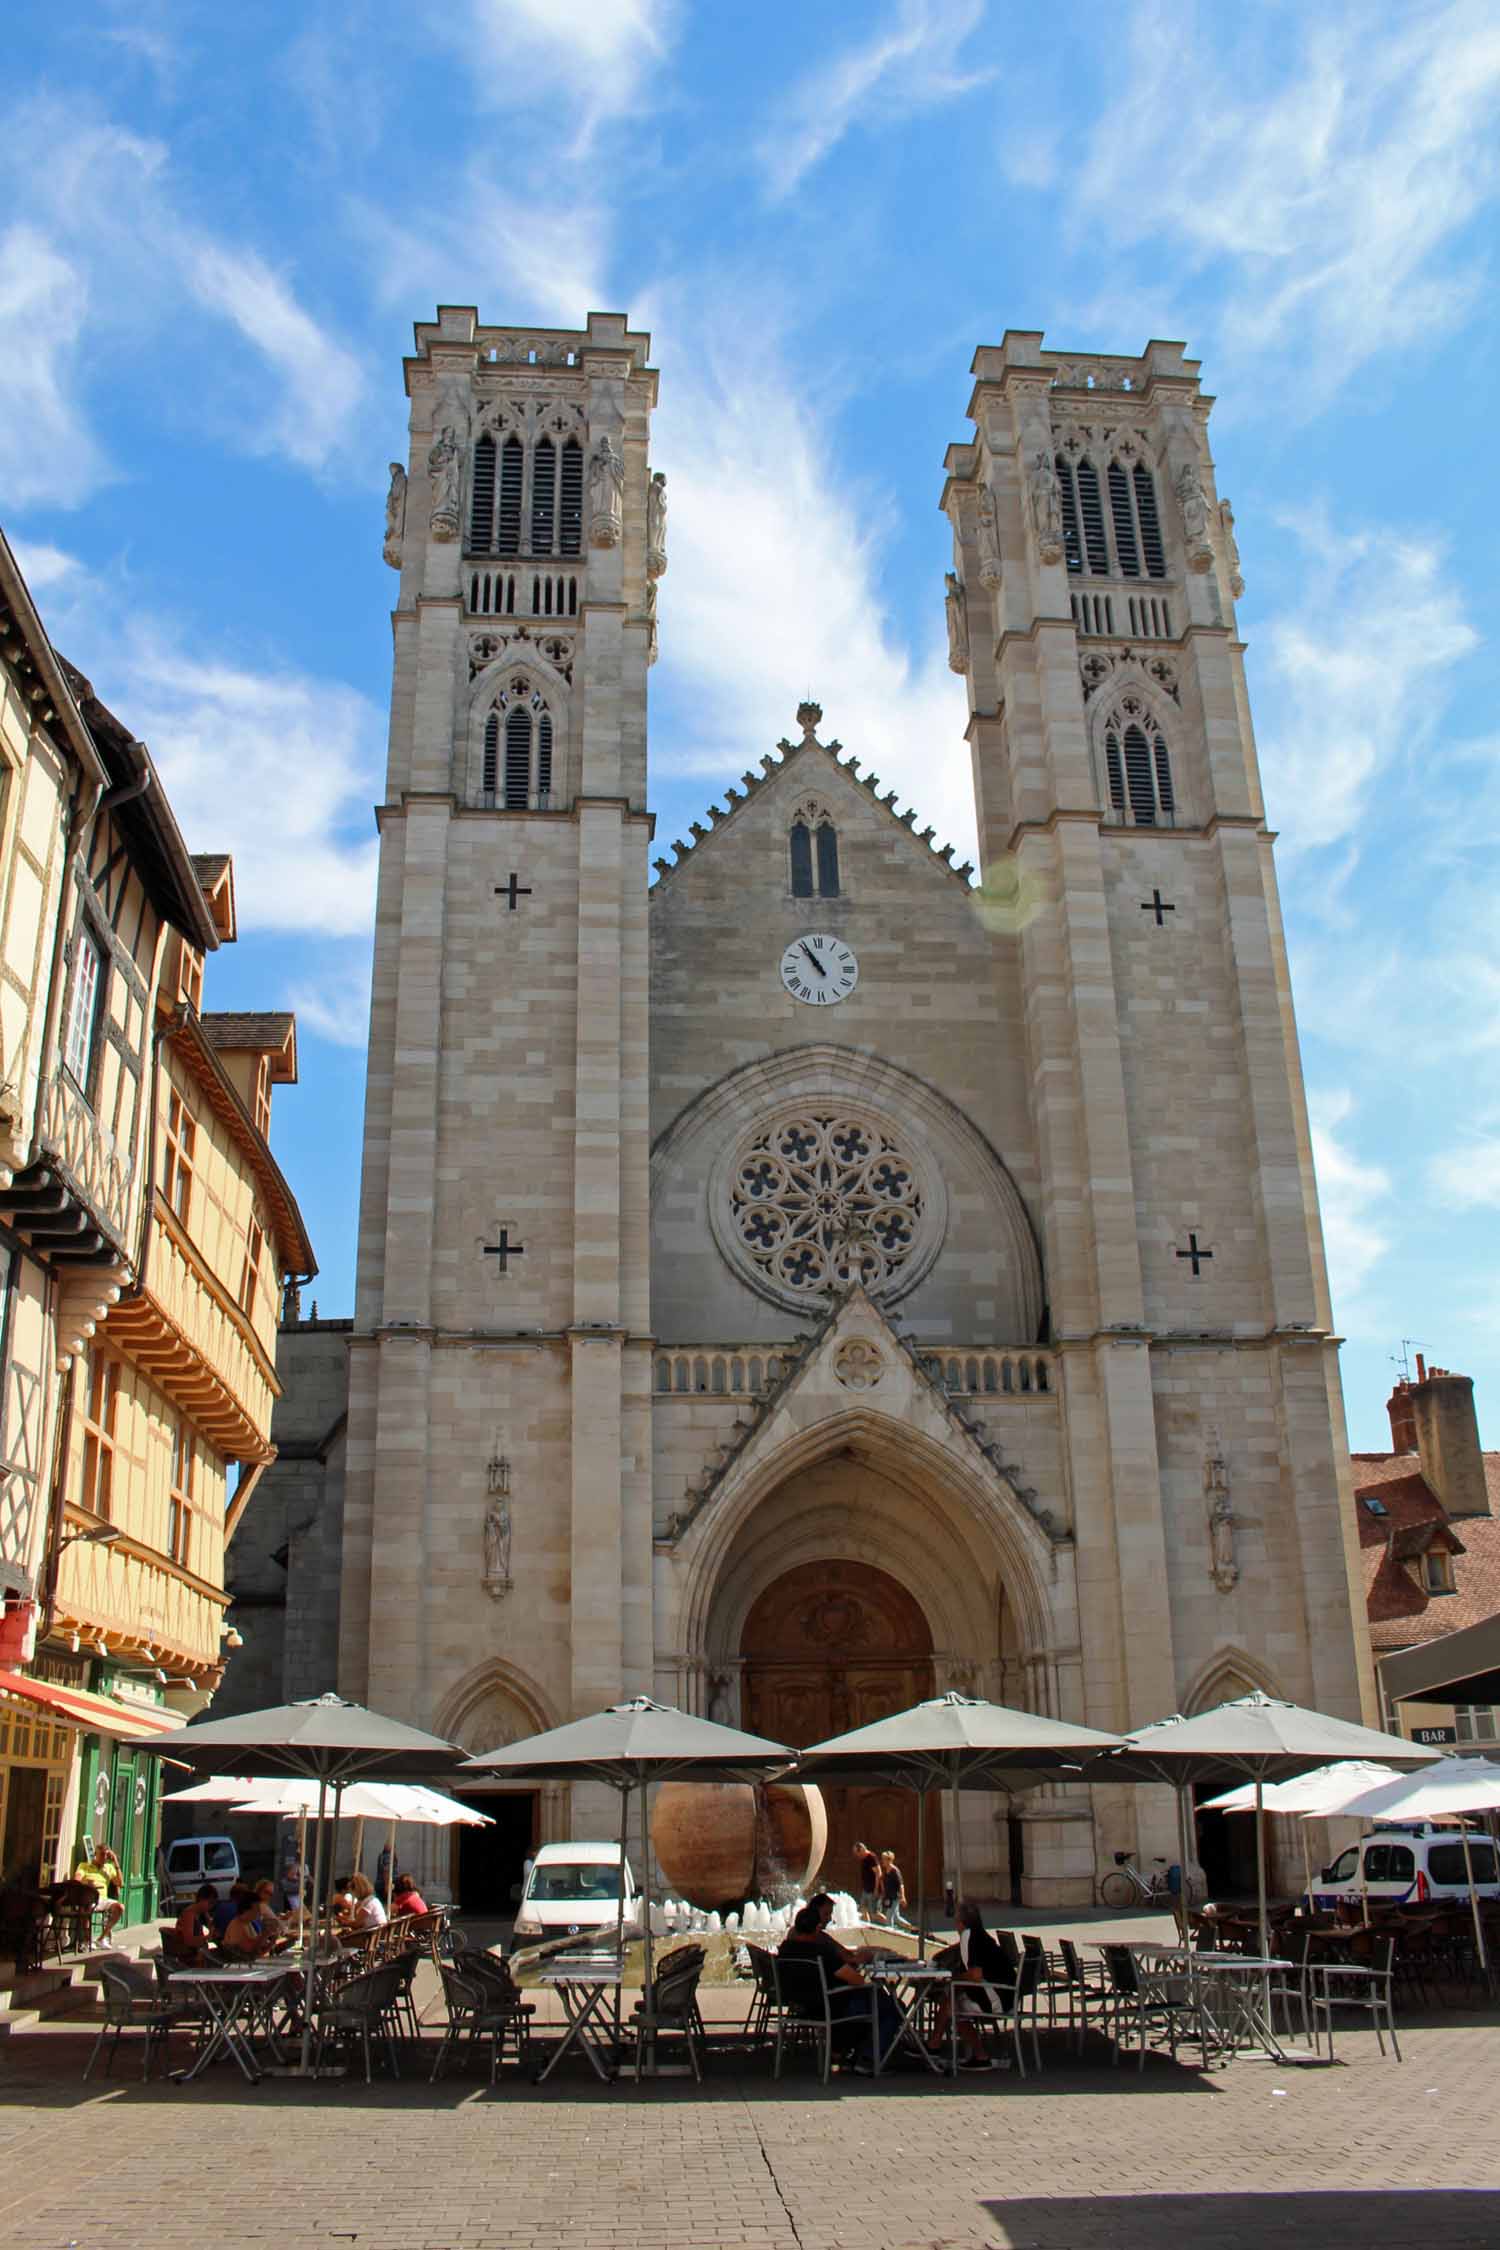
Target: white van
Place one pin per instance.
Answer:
(576, 1887)
(189, 1861)
(1419, 1865)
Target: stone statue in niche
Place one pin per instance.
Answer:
(1045, 496)
(395, 516)
(718, 1699)
(1222, 1566)
(497, 1528)
(1231, 550)
(988, 534)
(606, 495)
(656, 525)
(445, 473)
(1193, 501)
(958, 624)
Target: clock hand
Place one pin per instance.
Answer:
(817, 964)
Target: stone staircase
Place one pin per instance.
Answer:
(59, 1988)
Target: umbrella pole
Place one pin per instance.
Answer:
(310, 1988)
(1182, 1862)
(620, 1911)
(359, 1845)
(302, 1860)
(1306, 1865)
(1484, 1960)
(958, 1846)
(390, 1864)
(1260, 1869)
(921, 1874)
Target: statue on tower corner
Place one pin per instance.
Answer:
(395, 516)
(445, 473)
(1192, 499)
(989, 539)
(1045, 496)
(1231, 550)
(656, 525)
(606, 495)
(958, 625)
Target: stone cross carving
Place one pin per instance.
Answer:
(958, 625)
(1231, 550)
(445, 472)
(1044, 494)
(395, 516)
(1188, 486)
(606, 495)
(656, 526)
(988, 529)
(1222, 1567)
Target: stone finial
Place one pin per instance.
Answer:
(698, 830)
(963, 873)
(768, 761)
(808, 717)
(947, 854)
(751, 780)
(662, 866)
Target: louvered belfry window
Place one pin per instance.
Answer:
(1120, 539)
(1138, 774)
(517, 759)
(491, 771)
(518, 742)
(542, 495)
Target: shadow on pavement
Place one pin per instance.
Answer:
(1332, 2219)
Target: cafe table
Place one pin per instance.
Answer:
(1233, 1994)
(585, 1988)
(913, 1987)
(234, 2000)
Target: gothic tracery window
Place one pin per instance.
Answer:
(823, 1198)
(516, 769)
(1137, 766)
(813, 851)
(527, 499)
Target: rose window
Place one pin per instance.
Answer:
(822, 1199)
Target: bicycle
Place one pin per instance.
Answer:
(1125, 1885)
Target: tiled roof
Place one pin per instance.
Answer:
(265, 1030)
(1401, 1612)
(209, 866)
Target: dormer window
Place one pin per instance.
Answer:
(1437, 1571)
(813, 847)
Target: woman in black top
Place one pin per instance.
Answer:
(849, 1997)
(981, 1962)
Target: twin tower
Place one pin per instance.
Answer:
(790, 1352)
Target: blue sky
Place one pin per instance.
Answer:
(216, 228)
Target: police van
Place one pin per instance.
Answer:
(1413, 1865)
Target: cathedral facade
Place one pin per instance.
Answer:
(819, 1277)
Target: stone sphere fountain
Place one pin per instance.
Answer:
(718, 1844)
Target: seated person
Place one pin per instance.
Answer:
(406, 1898)
(194, 1927)
(807, 1943)
(227, 1908)
(981, 1962)
(341, 1901)
(274, 1926)
(246, 1937)
(103, 1876)
(367, 1912)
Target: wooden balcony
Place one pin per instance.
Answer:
(191, 1340)
(73, 1200)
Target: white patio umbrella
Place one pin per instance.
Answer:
(1317, 1796)
(324, 1740)
(955, 1742)
(1444, 1791)
(627, 1747)
(1255, 1736)
(393, 1802)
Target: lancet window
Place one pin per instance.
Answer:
(1111, 526)
(526, 499)
(813, 848)
(516, 769)
(1137, 767)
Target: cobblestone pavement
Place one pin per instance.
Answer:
(1083, 2157)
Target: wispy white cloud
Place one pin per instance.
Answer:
(47, 451)
(1467, 1176)
(477, 244)
(773, 588)
(1350, 1193)
(102, 236)
(597, 57)
(907, 65)
(1321, 193)
(333, 1000)
(1356, 661)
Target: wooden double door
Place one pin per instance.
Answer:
(830, 1646)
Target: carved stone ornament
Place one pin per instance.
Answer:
(395, 516)
(445, 472)
(1222, 1566)
(1191, 498)
(652, 648)
(656, 525)
(1103, 664)
(987, 534)
(606, 496)
(958, 624)
(1044, 499)
(1231, 550)
(858, 1364)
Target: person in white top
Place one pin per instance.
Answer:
(369, 1911)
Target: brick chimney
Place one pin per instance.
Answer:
(1403, 1421)
(1440, 1407)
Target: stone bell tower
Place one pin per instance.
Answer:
(1126, 851)
(497, 1512)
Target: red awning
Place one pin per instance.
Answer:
(100, 1714)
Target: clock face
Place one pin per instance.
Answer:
(819, 969)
